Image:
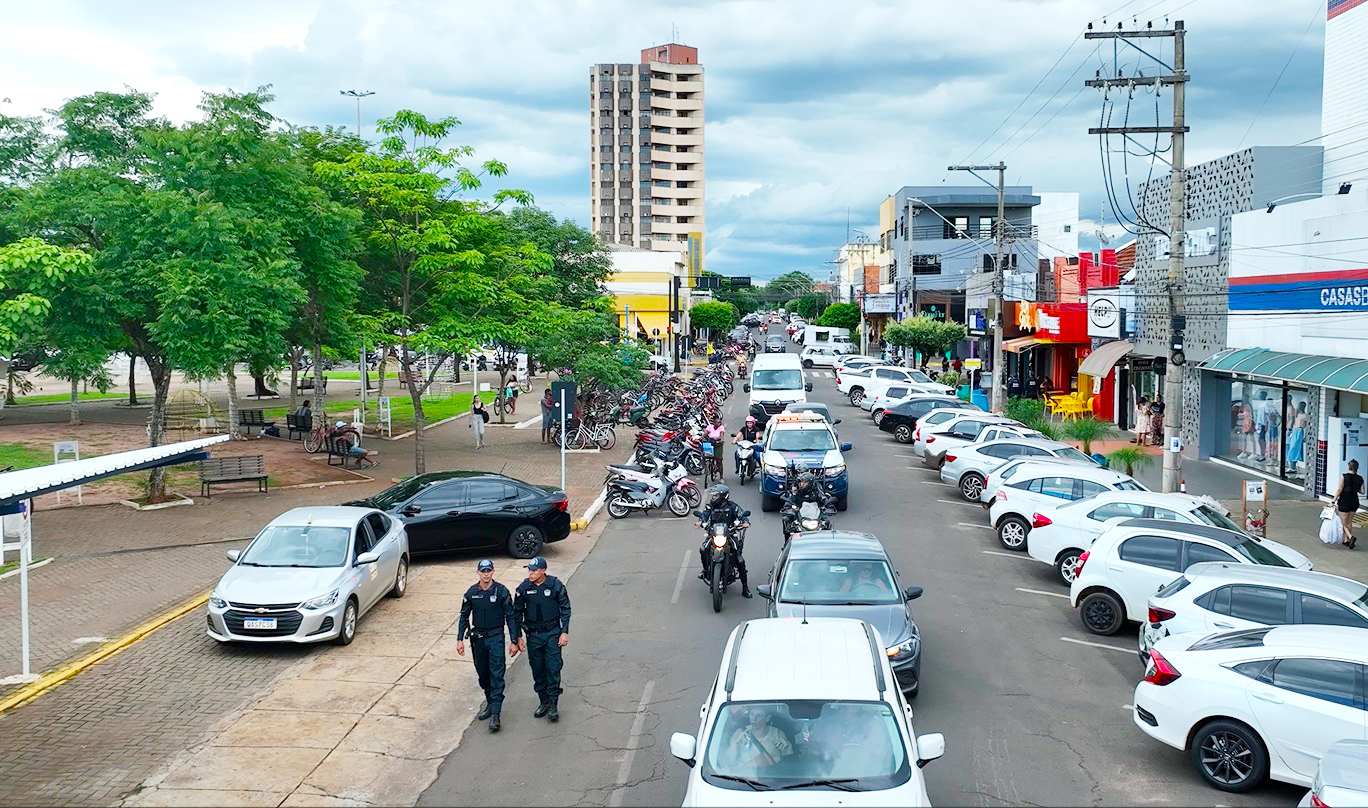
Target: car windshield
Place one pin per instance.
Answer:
(919, 376)
(801, 440)
(838, 581)
(402, 492)
(774, 340)
(299, 546)
(1070, 453)
(1259, 554)
(795, 744)
(1130, 485)
(788, 379)
(1215, 518)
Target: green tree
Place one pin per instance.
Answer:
(924, 335)
(580, 261)
(841, 315)
(717, 317)
(789, 286)
(32, 273)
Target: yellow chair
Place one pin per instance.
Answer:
(1053, 401)
(1076, 406)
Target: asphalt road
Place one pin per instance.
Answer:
(1035, 711)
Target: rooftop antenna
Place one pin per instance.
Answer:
(805, 622)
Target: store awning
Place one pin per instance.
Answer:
(1104, 358)
(1335, 372)
(1020, 344)
(16, 486)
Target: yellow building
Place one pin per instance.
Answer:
(640, 286)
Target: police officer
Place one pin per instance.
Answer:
(543, 610)
(486, 607)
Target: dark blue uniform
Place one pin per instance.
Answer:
(483, 615)
(543, 610)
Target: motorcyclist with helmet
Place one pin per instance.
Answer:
(750, 431)
(757, 411)
(806, 490)
(719, 509)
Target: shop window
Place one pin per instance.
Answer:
(1267, 429)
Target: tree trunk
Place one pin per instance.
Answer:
(132, 380)
(75, 419)
(294, 376)
(161, 390)
(232, 402)
(318, 380)
(416, 396)
(380, 351)
(498, 394)
(5, 374)
(261, 390)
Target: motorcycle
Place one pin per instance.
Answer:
(805, 519)
(722, 566)
(741, 368)
(750, 464)
(674, 472)
(627, 495)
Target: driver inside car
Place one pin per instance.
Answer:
(865, 581)
(758, 743)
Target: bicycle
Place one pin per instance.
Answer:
(317, 438)
(712, 462)
(503, 401)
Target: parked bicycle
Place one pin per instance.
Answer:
(316, 439)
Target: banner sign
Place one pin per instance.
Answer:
(880, 304)
(1104, 313)
(695, 254)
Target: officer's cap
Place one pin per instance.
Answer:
(485, 565)
(537, 563)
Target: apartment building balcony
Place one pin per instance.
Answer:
(677, 210)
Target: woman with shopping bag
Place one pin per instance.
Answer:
(1347, 502)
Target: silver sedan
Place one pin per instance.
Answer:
(966, 467)
(309, 576)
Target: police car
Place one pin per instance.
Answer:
(806, 441)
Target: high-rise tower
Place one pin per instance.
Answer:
(646, 139)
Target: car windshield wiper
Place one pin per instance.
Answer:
(841, 785)
(754, 784)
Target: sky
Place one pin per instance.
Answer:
(815, 110)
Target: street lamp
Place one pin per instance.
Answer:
(358, 95)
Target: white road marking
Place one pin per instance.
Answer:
(1018, 556)
(1132, 707)
(908, 455)
(683, 571)
(625, 770)
(1098, 645)
(527, 423)
(935, 482)
(1041, 592)
(971, 524)
(954, 501)
(89, 640)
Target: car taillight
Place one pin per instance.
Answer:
(562, 505)
(930, 440)
(949, 458)
(1082, 559)
(1157, 615)
(1160, 671)
(1040, 520)
(1002, 494)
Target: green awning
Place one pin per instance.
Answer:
(1316, 371)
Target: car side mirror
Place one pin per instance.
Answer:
(367, 558)
(845, 447)
(837, 421)
(746, 387)
(764, 591)
(808, 387)
(684, 746)
(912, 592)
(745, 514)
(929, 747)
(234, 555)
(412, 510)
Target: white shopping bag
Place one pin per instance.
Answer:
(1331, 532)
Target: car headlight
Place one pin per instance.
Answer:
(839, 468)
(320, 602)
(773, 469)
(217, 602)
(905, 648)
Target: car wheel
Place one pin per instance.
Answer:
(1011, 533)
(878, 417)
(1229, 756)
(1102, 613)
(349, 618)
(807, 363)
(400, 580)
(1067, 564)
(856, 396)
(902, 433)
(843, 503)
(971, 485)
(768, 504)
(525, 541)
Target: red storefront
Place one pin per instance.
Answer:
(1055, 341)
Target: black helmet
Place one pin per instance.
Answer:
(806, 481)
(718, 495)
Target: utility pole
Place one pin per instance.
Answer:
(358, 95)
(998, 403)
(1177, 319)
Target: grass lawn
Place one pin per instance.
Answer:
(14, 565)
(55, 398)
(435, 408)
(22, 457)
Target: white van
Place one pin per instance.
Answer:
(776, 381)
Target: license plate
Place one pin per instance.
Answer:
(259, 623)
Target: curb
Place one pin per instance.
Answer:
(35, 565)
(51, 680)
(582, 523)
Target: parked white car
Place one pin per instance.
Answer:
(805, 712)
(822, 357)
(1341, 777)
(1221, 596)
(1133, 559)
(310, 575)
(1061, 532)
(878, 403)
(1016, 505)
(1253, 704)
(883, 376)
(968, 466)
(937, 420)
(937, 442)
(1014, 468)
(853, 361)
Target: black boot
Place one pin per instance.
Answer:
(552, 711)
(494, 723)
(745, 584)
(541, 710)
(484, 711)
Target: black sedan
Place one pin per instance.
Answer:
(841, 573)
(475, 510)
(901, 419)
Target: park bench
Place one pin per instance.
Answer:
(298, 423)
(253, 418)
(307, 383)
(339, 447)
(232, 469)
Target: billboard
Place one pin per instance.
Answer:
(880, 304)
(695, 254)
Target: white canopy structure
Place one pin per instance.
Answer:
(18, 488)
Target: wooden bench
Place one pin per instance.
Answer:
(232, 469)
(253, 418)
(340, 447)
(298, 423)
(307, 383)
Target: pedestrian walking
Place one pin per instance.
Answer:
(479, 417)
(1143, 424)
(542, 608)
(1157, 420)
(511, 395)
(486, 608)
(548, 411)
(1347, 502)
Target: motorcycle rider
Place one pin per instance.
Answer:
(806, 490)
(749, 431)
(757, 411)
(721, 510)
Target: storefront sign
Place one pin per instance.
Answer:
(880, 304)
(1055, 322)
(1331, 290)
(977, 322)
(1201, 243)
(973, 364)
(1104, 313)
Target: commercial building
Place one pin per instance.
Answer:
(646, 143)
(641, 288)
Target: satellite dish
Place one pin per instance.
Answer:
(1102, 237)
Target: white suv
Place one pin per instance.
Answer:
(1016, 504)
(1218, 596)
(815, 356)
(802, 708)
(1133, 559)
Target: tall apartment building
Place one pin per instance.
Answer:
(646, 139)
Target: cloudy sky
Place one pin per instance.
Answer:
(816, 109)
